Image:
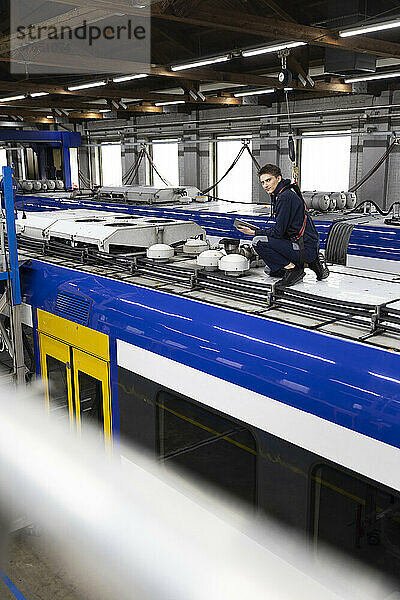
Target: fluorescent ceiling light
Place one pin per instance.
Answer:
(275, 48)
(129, 77)
(49, 117)
(11, 98)
(38, 94)
(372, 77)
(201, 63)
(370, 28)
(167, 103)
(83, 86)
(288, 89)
(105, 110)
(332, 132)
(254, 93)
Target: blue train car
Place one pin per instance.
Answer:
(297, 416)
(360, 237)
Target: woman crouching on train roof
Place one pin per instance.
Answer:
(293, 241)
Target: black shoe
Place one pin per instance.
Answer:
(319, 267)
(278, 273)
(291, 277)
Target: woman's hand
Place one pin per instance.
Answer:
(246, 230)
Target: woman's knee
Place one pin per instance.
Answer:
(259, 239)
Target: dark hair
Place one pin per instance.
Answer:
(270, 170)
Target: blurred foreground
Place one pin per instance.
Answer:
(130, 529)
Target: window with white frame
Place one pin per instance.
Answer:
(22, 158)
(237, 185)
(111, 164)
(3, 158)
(165, 158)
(95, 158)
(325, 161)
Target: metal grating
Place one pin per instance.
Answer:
(73, 307)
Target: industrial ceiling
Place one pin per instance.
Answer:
(321, 60)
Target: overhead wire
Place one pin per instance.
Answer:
(244, 147)
(376, 166)
(150, 159)
(129, 176)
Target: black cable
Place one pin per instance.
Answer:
(154, 167)
(380, 211)
(380, 161)
(239, 154)
(130, 176)
(242, 149)
(127, 176)
(84, 179)
(135, 168)
(253, 158)
(337, 242)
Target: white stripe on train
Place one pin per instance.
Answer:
(355, 451)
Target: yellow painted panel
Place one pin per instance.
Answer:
(99, 369)
(54, 348)
(76, 335)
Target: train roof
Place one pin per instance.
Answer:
(355, 303)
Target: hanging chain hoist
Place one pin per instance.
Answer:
(285, 78)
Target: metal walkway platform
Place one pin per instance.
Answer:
(353, 303)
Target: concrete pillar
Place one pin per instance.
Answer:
(84, 166)
(129, 159)
(356, 151)
(189, 158)
(205, 149)
(373, 147)
(255, 181)
(93, 165)
(268, 153)
(393, 184)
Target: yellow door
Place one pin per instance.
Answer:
(56, 372)
(76, 368)
(92, 392)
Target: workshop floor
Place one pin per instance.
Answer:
(35, 576)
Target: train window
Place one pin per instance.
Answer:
(358, 517)
(90, 399)
(57, 382)
(136, 409)
(211, 447)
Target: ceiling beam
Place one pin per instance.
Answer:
(254, 25)
(53, 102)
(279, 10)
(72, 18)
(271, 27)
(76, 114)
(177, 42)
(75, 62)
(146, 94)
(80, 65)
(84, 103)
